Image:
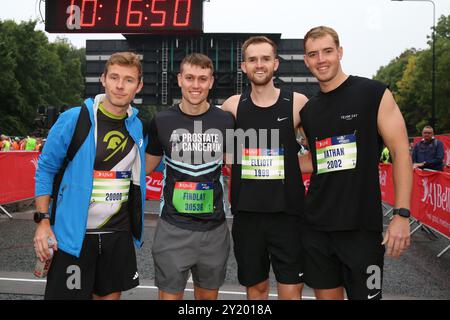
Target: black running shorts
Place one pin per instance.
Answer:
(261, 239)
(352, 259)
(107, 264)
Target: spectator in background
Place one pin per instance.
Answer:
(38, 146)
(428, 153)
(411, 146)
(6, 143)
(23, 143)
(385, 156)
(15, 144)
(31, 143)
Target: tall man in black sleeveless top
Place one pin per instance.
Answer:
(267, 192)
(346, 124)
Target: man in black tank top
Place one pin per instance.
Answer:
(192, 234)
(267, 192)
(346, 124)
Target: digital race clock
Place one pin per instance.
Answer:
(123, 16)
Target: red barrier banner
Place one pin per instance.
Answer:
(306, 179)
(17, 170)
(154, 185)
(430, 202)
(386, 183)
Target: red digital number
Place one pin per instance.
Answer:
(162, 23)
(94, 13)
(184, 23)
(118, 11)
(133, 12)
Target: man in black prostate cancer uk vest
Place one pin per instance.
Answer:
(192, 233)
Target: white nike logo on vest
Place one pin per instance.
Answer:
(371, 297)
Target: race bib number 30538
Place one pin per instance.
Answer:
(193, 197)
(263, 164)
(336, 153)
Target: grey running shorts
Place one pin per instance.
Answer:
(177, 251)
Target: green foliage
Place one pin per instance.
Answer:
(409, 78)
(35, 73)
(392, 73)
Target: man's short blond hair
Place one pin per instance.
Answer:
(198, 60)
(319, 32)
(127, 59)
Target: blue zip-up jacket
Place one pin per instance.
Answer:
(76, 187)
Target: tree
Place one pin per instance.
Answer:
(393, 72)
(409, 78)
(35, 73)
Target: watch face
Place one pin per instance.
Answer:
(37, 217)
(403, 212)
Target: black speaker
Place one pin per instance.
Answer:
(52, 116)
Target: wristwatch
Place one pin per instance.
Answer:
(402, 212)
(38, 216)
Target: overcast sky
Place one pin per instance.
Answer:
(372, 32)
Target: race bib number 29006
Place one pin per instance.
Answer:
(336, 153)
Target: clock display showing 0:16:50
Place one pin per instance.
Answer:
(133, 13)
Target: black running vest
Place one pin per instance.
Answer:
(277, 195)
(348, 199)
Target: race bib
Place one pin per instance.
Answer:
(193, 197)
(336, 154)
(263, 164)
(111, 186)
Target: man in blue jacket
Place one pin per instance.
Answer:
(429, 152)
(101, 198)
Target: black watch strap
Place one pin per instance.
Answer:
(402, 212)
(39, 216)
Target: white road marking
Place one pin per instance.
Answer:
(240, 293)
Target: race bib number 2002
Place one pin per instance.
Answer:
(336, 153)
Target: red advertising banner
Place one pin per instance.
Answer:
(430, 203)
(154, 185)
(386, 183)
(306, 179)
(17, 170)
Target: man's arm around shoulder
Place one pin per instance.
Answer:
(231, 104)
